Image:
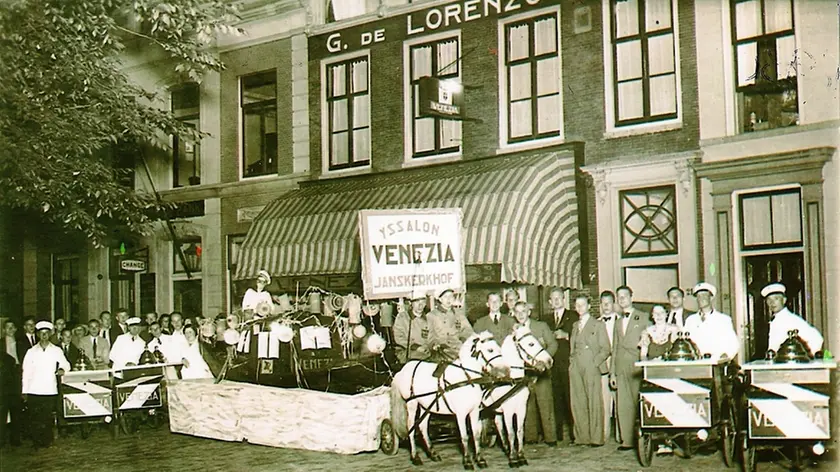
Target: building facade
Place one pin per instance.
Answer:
(601, 142)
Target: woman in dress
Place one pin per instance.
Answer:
(658, 337)
(194, 365)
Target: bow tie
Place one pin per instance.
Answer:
(627, 315)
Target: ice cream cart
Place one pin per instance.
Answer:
(86, 398)
(684, 402)
(787, 405)
(138, 395)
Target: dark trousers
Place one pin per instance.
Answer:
(41, 419)
(562, 399)
(11, 409)
(540, 412)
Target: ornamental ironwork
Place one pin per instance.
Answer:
(649, 221)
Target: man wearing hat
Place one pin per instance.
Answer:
(448, 330)
(783, 320)
(711, 330)
(128, 347)
(411, 331)
(40, 389)
(253, 298)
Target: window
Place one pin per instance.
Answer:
(338, 10)
(186, 297)
(644, 74)
(431, 135)
(186, 166)
(765, 55)
(259, 124)
(771, 219)
(66, 287)
(348, 108)
(532, 68)
(649, 221)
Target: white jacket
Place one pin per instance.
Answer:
(785, 321)
(714, 336)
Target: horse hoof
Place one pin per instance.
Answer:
(435, 457)
(481, 463)
(469, 467)
(523, 462)
(513, 464)
(416, 460)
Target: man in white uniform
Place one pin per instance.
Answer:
(39, 386)
(783, 320)
(128, 347)
(253, 298)
(711, 330)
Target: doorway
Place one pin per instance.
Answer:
(786, 268)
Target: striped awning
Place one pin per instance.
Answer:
(519, 212)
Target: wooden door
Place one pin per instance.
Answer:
(788, 269)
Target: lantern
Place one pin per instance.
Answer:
(376, 344)
(359, 331)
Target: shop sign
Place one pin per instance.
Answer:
(406, 252)
(132, 265)
(417, 23)
(441, 98)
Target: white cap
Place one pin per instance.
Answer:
(132, 321)
(264, 273)
(704, 286)
(43, 325)
(773, 288)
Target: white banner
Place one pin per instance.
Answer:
(405, 252)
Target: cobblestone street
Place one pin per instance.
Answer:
(160, 450)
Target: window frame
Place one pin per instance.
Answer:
(176, 140)
(74, 284)
(763, 42)
(409, 100)
(505, 141)
(672, 192)
(260, 106)
(326, 121)
(745, 248)
(614, 129)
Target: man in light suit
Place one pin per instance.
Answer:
(541, 401)
(495, 322)
(95, 347)
(609, 317)
(590, 348)
(624, 375)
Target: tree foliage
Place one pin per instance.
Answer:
(66, 102)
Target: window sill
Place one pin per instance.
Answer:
(258, 177)
(770, 133)
(646, 128)
(529, 145)
(334, 174)
(431, 160)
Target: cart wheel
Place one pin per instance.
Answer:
(85, 429)
(488, 433)
(689, 447)
(389, 443)
(128, 424)
(644, 447)
(748, 462)
(727, 437)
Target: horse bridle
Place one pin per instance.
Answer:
(484, 357)
(523, 353)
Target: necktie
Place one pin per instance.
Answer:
(496, 320)
(66, 350)
(94, 347)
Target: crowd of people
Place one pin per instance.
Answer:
(591, 390)
(31, 360)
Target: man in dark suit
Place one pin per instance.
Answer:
(70, 350)
(26, 338)
(561, 320)
(10, 399)
(540, 409)
(590, 348)
(677, 314)
(495, 322)
(625, 377)
(120, 327)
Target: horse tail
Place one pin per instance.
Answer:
(399, 411)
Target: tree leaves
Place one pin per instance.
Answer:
(66, 102)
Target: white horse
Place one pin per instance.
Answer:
(457, 391)
(520, 349)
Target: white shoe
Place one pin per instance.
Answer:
(663, 449)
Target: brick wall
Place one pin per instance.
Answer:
(275, 55)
